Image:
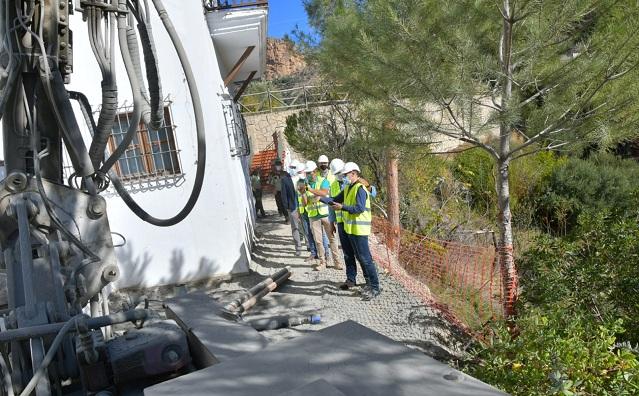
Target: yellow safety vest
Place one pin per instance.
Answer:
(336, 188)
(357, 224)
(315, 209)
(300, 204)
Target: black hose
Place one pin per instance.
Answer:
(109, 107)
(85, 107)
(137, 99)
(134, 50)
(201, 136)
(152, 72)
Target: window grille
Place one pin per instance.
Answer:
(236, 129)
(151, 161)
(151, 154)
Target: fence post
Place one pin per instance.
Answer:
(270, 103)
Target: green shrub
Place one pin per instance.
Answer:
(595, 269)
(558, 351)
(603, 182)
(476, 169)
(579, 304)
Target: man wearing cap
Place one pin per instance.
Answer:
(276, 181)
(318, 215)
(355, 203)
(289, 203)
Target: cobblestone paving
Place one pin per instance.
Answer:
(395, 313)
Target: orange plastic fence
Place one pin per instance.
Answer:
(463, 281)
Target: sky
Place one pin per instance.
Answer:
(284, 15)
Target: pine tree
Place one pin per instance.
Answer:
(554, 74)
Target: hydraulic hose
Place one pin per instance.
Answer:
(135, 88)
(109, 107)
(134, 50)
(201, 136)
(155, 115)
(85, 107)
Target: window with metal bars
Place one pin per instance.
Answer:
(236, 129)
(151, 154)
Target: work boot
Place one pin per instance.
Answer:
(347, 285)
(371, 294)
(320, 266)
(310, 258)
(365, 290)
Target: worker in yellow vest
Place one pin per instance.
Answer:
(318, 215)
(324, 170)
(355, 203)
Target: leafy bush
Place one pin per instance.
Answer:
(558, 351)
(579, 304)
(595, 269)
(529, 177)
(603, 182)
(476, 169)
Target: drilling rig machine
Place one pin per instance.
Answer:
(57, 250)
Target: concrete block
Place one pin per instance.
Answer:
(352, 358)
(212, 339)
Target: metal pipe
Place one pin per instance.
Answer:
(26, 260)
(248, 304)
(26, 333)
(279, 322)
(233, 305)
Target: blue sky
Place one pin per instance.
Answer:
(284, 15)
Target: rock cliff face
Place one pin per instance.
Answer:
(282, 59)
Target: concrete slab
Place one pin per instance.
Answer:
(212, 339)
(351, 357)
(317, 388)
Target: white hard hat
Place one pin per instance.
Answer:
(336, 165)
(348, 167)
(310, 166)
(295, 164)
(322, 159)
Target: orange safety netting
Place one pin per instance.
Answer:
(463, 281)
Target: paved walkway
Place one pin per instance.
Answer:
(395, 313)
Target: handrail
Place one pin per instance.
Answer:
(290, 98)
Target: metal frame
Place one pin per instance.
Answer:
(292, 98)
(236, 129)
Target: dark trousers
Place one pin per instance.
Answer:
(280, 205)
(349, 254)
(259, 208)
(363, 253)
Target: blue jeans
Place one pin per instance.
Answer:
(349, 254)
(310, 242)
(362, 251)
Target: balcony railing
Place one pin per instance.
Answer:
(215, 5)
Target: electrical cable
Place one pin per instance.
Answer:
(48, 358)
(201, 136)
(6, 374)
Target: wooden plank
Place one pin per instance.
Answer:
(245, 84)
(238, 65)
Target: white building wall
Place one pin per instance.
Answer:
(215, 238)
